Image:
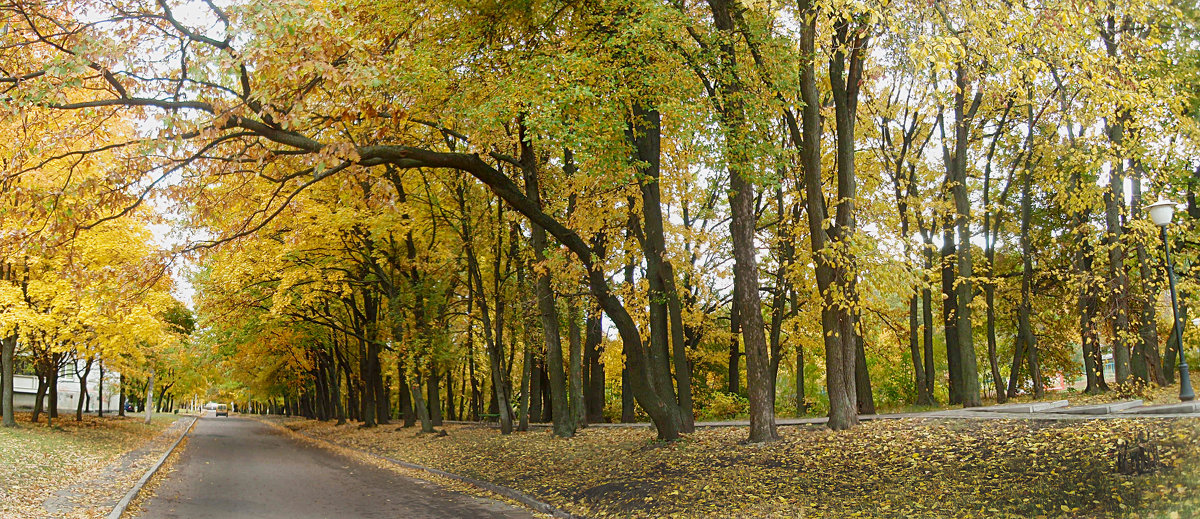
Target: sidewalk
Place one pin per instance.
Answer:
(96, 496)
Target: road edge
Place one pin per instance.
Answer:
(533, 503)
(123, 504)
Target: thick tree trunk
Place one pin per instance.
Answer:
(950, 313)
(575, 363)
(1120, 280)
(836, 325)
(666, 340)
(1171, 352)
(965, 287)
(8, 347)
(1147, 359)
(742, 225)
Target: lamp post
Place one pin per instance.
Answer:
(1161, 212)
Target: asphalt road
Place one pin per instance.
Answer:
(241, 468)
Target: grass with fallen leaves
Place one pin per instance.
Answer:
(889, 468)
(37, 460)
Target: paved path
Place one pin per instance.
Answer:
(235, 467)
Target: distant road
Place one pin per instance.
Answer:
(240, 468)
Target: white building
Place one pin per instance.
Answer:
(25, 390)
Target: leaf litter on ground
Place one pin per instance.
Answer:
(885, 468)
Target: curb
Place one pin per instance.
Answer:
(123, 504)
(516, 495)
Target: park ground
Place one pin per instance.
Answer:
(75, 469)
(912, 467)
(908, 467)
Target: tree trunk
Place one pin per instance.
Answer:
(1120, 280)
(927, 319)
(87, 369)
(1025, 337)
(421, 405)
(666, 342)
(593, 367)
(52, 407)
(39, 400)
(734, 373)
(970, 372)
(121, 398)
(949, 314)
(914, 347)
(575, 377)
(404, 396)
(801, 405)
(1171, 352)
(449, 414)
(1147, 358)
(8, 347)
(434, 396)
(527, 341)
(564, 427)
(862, 380)
(99, 392)
(743, 220)
(836, 326)
(149, 397)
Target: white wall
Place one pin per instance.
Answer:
(25, 391)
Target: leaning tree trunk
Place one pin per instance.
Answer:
(666, 322)
(564, 427)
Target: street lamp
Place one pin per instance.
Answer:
(1161, 212)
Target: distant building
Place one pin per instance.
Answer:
(25, 389)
